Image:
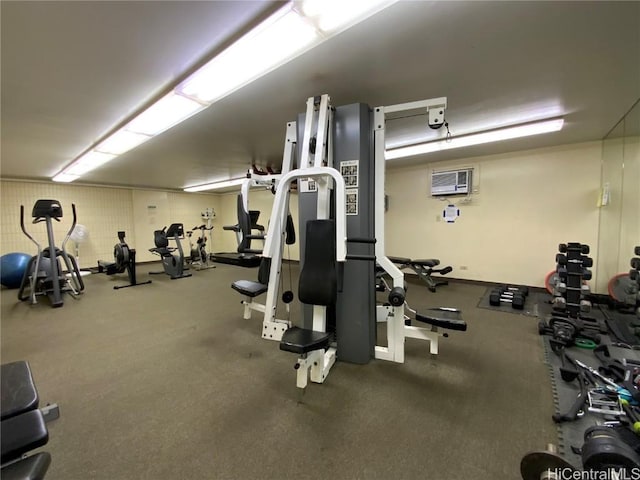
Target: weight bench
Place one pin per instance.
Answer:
(317, 286)
(424, 268)
(23, 425)
(251, 289)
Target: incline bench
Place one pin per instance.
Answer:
(424, 268)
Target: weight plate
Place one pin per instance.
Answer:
(618, 286)
(551, 280)
(534, 464)
(585, 343)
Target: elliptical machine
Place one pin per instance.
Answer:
(124, 258)
(44, 275)
(199, 255)
(173, 265)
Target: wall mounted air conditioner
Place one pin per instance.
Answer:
(454, 182)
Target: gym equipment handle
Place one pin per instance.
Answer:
(369, 258)
(361, 240)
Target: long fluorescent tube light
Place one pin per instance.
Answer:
(216, 185)
(65, 177)
(292, 30)
(496, 135)
(88, 162)
(122, 141)
(332, 15)
(266, 47)
(164, 114)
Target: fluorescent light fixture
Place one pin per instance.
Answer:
(507, 133)
(332, 15)
(216, 185)
(88, 162)
(269, 45)
(293, 29)
(65, 178)
(165, 113)
(120, 142)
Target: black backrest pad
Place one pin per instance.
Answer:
(244, 221)
(290, 237)
(175, 230)
(264, 270)
(47, 208)
(318, 284)
(160, 239)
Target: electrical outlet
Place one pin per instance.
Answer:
(463, 267)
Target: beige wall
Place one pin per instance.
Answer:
(104, 211)
(526, 204)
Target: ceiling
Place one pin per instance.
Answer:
(72, 71)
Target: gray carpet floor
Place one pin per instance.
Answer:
(167, 381)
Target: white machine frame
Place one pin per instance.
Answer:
(276, 327)
(397, 330)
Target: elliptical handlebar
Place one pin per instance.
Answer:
(73, 225)
(24, 229)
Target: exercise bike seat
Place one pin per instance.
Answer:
(450, 318)
(249, 287)
(19, 394)
(301, 340)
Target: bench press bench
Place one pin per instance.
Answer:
(424, 268)
(23, 425)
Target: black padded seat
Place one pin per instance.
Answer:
(18, 392)
(249, 288)
(429, 262)
(444, 318)
(21, 434)
(300, 340)
(33, 467)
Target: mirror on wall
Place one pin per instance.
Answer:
(619, 228)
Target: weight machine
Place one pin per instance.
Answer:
(341, 183)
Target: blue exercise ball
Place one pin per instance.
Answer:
(12, 268)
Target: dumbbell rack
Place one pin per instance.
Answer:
(572, 267)
(568, 321)
(634, 276)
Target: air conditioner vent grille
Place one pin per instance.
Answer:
(451, 183)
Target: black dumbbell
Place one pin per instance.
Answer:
(524, 290)
(497, 297)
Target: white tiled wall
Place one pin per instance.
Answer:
(103, 211)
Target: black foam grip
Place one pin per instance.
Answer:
(396, 296)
